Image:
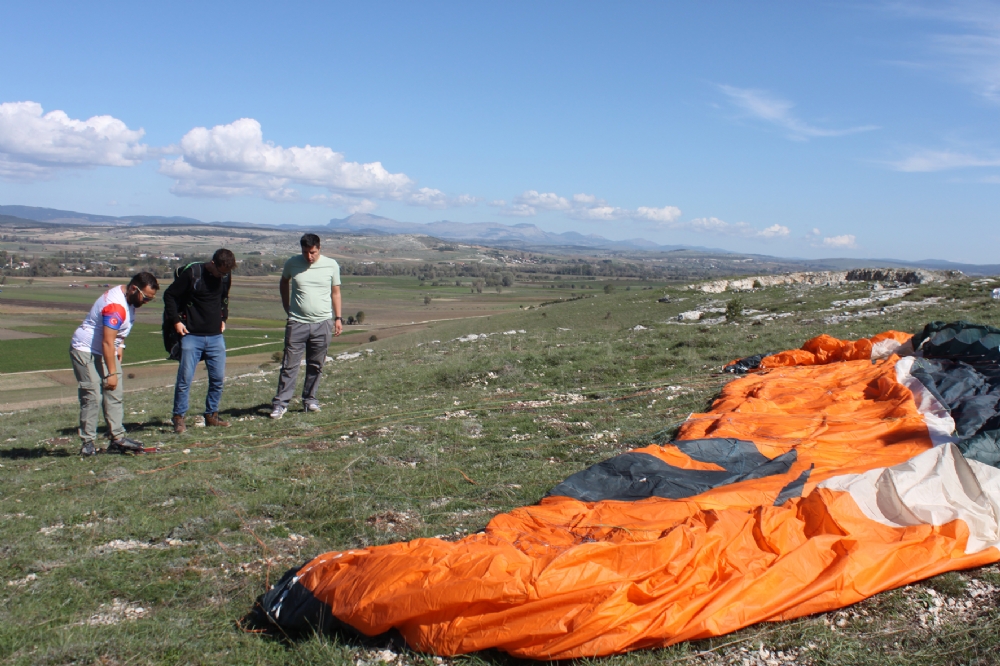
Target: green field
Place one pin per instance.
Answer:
(194, 534)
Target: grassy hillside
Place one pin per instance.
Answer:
(152, 559)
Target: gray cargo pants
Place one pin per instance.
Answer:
(90, 372)
(313, 340)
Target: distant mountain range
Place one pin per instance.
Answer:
(494, 233)
(72, 217)
(520, 236)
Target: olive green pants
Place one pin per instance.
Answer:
(90, 373)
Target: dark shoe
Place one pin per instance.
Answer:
(125, 445)
(179, 425)
(88, 450)
(214, 420)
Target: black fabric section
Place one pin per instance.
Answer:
(959, 340)
(794, 489)
(962, 389)
(959, 363)
(289, 605)
(199, 299)
(635, 476)
(984, 445)
(289, 610)
(733, 455)
(746, 364)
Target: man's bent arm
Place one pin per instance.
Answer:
(177, 290)
(108, 347)
(285, 293)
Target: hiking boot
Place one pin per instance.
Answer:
(179, 425)
(278, 412)
(124, 445)
(214, 420)
(312, 407)
(88, 450)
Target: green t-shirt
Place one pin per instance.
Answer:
(310, 301)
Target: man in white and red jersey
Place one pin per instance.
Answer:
(96, 353)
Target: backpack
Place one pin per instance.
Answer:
(171, 338)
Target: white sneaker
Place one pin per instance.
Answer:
(312, 407)
(278, 412)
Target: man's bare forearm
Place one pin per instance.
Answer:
(285, 294)
(110, 354)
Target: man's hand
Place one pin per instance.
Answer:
(118, 352)
(111, 382)
(338, 326)
(223, 327)
(180, 328)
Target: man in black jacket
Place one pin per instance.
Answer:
(197, 305)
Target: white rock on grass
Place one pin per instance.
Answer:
(20, 582)
(116, 612)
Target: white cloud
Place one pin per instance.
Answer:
(34, 144)
(714, 225)
(970, 54)
(845, 241)
(582, 207)
(761, 105)
(431, 198)
(543, 200)
(774, 231)
(230, 160)
(663, 216)
(235, 160)
(518, 210)
(942, 160)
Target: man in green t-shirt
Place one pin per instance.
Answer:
(310, 294)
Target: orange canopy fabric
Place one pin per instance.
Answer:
(567, 578)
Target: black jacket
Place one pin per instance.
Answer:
(201, 297)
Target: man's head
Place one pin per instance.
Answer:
(310, 247)
(223, 262)
(141, 289)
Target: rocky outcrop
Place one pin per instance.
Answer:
(827, 278)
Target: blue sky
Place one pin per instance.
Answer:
(788, 128)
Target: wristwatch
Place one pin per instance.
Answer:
(338, 319)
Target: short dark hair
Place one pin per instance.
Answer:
(224, 260)
(309, 240)
(143, 280)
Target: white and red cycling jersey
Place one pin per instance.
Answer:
(111, 310)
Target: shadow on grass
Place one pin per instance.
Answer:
(344, 635)
(262, 409)
(24, 453)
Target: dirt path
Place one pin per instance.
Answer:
(58, 387)
(7, 334)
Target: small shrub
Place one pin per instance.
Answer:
(360, 317)
(734, 309)
(276, 357)
(609, 288)
(427, 300)
(373, 338)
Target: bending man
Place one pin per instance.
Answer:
(310, 294)
(197, 305)
(96, 354)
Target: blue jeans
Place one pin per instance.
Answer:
(194, 348)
